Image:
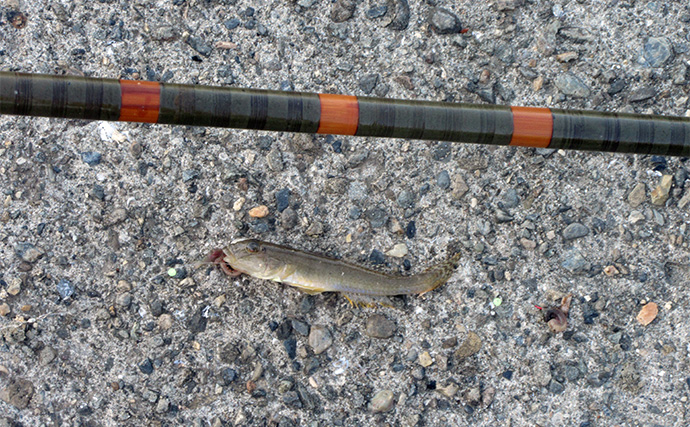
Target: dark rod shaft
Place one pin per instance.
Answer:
(197, 105)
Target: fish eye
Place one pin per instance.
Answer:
(253, 247)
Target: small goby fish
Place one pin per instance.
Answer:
(314, 274)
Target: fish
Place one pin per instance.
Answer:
(314, 274)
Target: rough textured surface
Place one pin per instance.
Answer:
(100, 224)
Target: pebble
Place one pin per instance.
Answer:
(65, 288)
(411, 230)
(442, 152)
(258, 211)
(458, 187)
(343, 10)
(406, 199)
(237, 205)
(685, 200)
(470, 346)
(199, 45)
(443, 180)
(443, 21)
(635, 217)
(571, 85)
(449, 391)
(165, 321)
(377, 217)
(368, 83)
(378, 326)
(377, 12)
(315, 229)
(398, 251)
(656, 52)
(146, 367)
(382, 401)
(46, 355)
(660, 194)
(15, 286)
(4, 309)
(648, 313)
(510, 198)
(555, 387)
(637, 195)
(425, 359)
(28, 252)
(288, 219)
(91, 158)
(642, 94)
(18, 393)
(573, 261)
(376, 257)
(320, 339)
(290, 345)
(282, 199)
(575, 230)
(300, 327)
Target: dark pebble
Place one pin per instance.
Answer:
(507, 374)
(368, 83)
(300, 327)
(260, 226)
(290, 347)
(291, 398)
(337, 146)
(65, 288)
(284, 330)
(91, 158)
(262, 30)
(199, 45)
(282, 199)
(424, 189)
(265, 143)
(509, 199)
(288, 219)
(377, 12)
(589, 314)
(98, 192)
(197, 322)
(555, 387)
(401, 14)
(156, 307)
(40, 227)
(251, 24)
(642, 94)
(146, 367)
(189, 175)
(617, 86)
(229, 375)
(442, 152)
(231, 24)
(407, 264)
(306, 304)
(443, 21)
(379, 326)
(574, 231)
(377, 217)
(148, 326)
(443, 180)
(354, 213)
(405, 199)
(85, 323)
(377, 257)
(411, 230)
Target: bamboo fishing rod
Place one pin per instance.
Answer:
(197, 105)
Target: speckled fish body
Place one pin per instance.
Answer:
(315, 273)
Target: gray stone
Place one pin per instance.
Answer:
(443, 21)
(574, 231)
(573, 261)
(656, 52)
(571, 85)
(320, 339)
(18, 393)
(378, 326)
(443, 180)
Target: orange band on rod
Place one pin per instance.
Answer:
(339, 114)
(532, 127)
(140, 101)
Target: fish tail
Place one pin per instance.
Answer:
(439, 274)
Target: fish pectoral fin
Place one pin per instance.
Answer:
(357, 300)
(307, 289)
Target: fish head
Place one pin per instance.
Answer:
(252, 257)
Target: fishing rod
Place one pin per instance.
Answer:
(88, 98)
